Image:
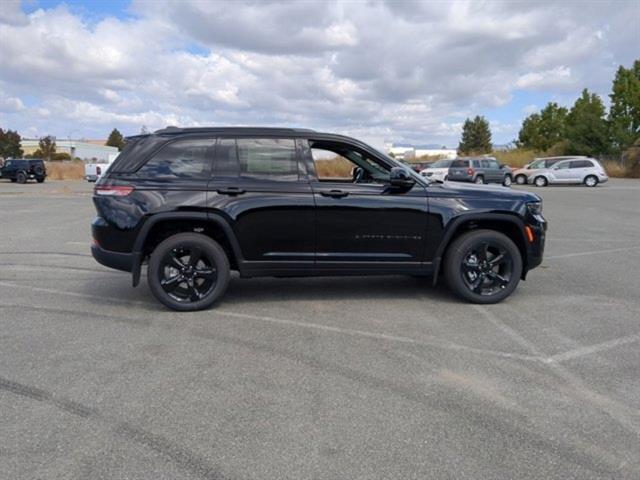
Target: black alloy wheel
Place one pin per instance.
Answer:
(188, 271)
(483, 266)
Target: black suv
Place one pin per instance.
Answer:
(197, 203)
(21, 170)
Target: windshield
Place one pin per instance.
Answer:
(441, 164)
(536, 164)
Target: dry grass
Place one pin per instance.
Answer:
(72, 170)
(515, 158)
(336, 167)
(616, 170)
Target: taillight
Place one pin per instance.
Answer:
(113, 190)
(470, 172)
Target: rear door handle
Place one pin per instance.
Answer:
(230, 191)
(334, 193)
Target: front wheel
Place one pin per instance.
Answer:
(591, 181)
(483, 266)
(188, 271)
(540, 182)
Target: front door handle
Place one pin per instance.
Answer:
(230, 191)
(334, 193)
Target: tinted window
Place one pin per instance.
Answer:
(226, 162)
(180, 159)
(273, 158)
(581, 164)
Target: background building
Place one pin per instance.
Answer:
(88, 150)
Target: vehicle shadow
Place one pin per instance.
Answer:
(356, 288)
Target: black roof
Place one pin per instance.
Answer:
(233, 130)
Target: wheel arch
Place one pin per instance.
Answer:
(510, 225)
(162, 225)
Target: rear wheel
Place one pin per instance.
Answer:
(591, 181)
(479, 180)
(521, 179)
(540, 182)
(483, 266)
(21, 177)
(188, 271)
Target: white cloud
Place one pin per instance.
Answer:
(405, 71)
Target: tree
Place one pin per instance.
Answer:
(476, 136)
(587, 131)
(115, 139)
(10, 144)
(47, 146)
(624, 114)
(541, 131)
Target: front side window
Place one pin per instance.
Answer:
(268, 158)
(342, 163)
(181, 159)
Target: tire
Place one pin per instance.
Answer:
(521, 179)
(21, 177)
(591, 181)
(479, 180)
(473, 279)
(184, 295)
(507, 181)
(540, 181)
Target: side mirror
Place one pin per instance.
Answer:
(399, 177)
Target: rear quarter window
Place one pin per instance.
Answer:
(182, 159)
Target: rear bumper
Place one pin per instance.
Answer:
(117, 260)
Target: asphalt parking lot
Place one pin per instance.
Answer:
(323, 378)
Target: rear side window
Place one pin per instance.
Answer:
(180, 159)
(581, 164)
(268, 158)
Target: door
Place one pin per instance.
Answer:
(259, 187)
(494, 172)
(360, 220)
(561, 172)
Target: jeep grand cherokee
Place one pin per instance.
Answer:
(196, 203)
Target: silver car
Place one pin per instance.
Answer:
(579, 170)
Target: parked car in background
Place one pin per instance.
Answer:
(419, 166)
(93, 171)
(438, 170)
(587, 171)
(21, 170)
(521, 175)
(479, 170)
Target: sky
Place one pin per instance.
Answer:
(406, 72)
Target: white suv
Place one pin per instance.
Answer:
(580, 170)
